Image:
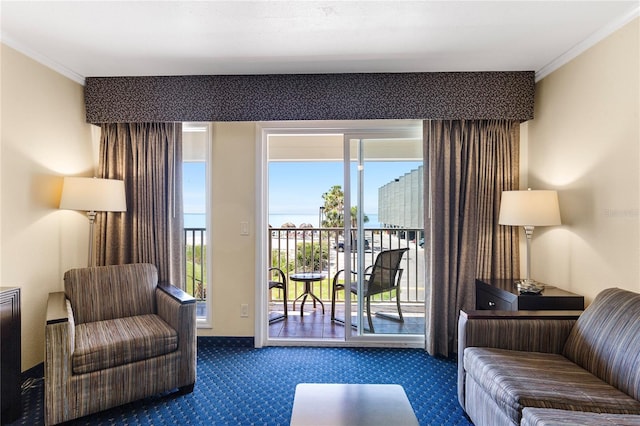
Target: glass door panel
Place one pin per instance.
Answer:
(385, 193)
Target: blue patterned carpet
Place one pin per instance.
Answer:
(240, 385)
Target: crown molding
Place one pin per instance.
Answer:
(72, 75)
(587, 43)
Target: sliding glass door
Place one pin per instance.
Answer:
(344, 226)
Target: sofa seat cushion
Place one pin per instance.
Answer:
(515, 380)
(552, 417)
(106, 344)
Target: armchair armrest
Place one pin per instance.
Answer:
(59, 346)
(57, 308)
(176, 293)
(178, 309)
(531, 331)
(60, 328)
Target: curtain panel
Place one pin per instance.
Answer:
(470, 164)
(148, 157)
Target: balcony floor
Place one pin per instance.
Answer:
(315, 325)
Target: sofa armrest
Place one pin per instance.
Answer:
(531, 331)
(178, 309)
(59, 346)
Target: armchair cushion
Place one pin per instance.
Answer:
(106, 344)
(104, 292)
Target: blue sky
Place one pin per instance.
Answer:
(297, 187)
(193, 187)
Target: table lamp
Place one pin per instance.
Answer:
(529, 209)
(93, 195)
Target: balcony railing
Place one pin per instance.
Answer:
(318, 249)
(322, 249)
(195, 265)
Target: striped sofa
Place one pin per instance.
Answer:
(114, 336)
(552, 368)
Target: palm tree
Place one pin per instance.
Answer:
(354, 217)
(334, 209)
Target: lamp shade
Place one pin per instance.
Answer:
(529, 208)
(93, 194)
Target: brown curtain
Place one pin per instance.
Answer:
(148, 157)
(470, 164)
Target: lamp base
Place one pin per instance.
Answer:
(528, 286)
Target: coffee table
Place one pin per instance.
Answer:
(351, 404)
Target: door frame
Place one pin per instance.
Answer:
(350, 130)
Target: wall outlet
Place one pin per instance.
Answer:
(244, 310)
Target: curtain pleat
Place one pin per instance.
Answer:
(148, 157)
(470, 164)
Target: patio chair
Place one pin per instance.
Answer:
(381, 277)
(278, 280)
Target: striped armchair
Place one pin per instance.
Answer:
(537, 368)
(114, 336)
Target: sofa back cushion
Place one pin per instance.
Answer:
(109, 292)
(606, 340)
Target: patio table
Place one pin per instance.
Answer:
(307, 278)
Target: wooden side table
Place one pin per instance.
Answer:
(10, 353)
(502, 295)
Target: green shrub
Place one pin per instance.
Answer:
(309, 257)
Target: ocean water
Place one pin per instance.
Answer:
(197, 220)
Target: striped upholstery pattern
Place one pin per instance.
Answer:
(182, 318)
(532, 335)
(517, 379)
(606, 340)
(105, 344)
(518, 369)
(129, 354)
(549, 417)
(108, 292)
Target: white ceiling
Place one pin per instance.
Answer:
(107, 38)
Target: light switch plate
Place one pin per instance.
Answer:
(244, 228)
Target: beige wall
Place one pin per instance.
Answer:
(584, 141)
(233, 180)
(44, 137)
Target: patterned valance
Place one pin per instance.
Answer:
(446, 95)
